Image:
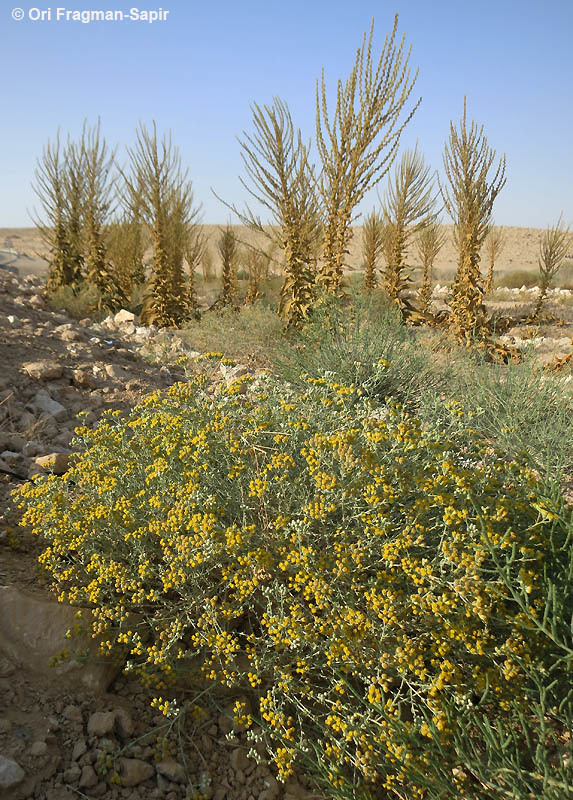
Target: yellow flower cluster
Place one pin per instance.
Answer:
(340, 566)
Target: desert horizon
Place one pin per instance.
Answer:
(520, 252)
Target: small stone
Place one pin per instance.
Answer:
(88, 777)
(172, 770)
(57, 463)
(42, 402)
(117, 372)
(43, 370)
(123, 723)
(72, 713)
(72, 774)
(84, 379)
(5, 725)
(123, 316)
(37, 301)
(38, 749)
(15, 462)
(11, 773)
(239, 760)
(80, 748)
(101, 723)
(134, 771)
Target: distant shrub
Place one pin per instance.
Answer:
(346, 337)
(79, 301)
(517, 278)
(375, 589)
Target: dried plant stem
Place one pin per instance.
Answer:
(358, 146)
(469, 200)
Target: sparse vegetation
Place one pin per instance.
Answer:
(553, 249)
(370, 546)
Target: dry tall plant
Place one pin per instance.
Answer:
(228, 251)
(358, 146)
(75, 184)
(469, 200)
(162, 193)
(276, 163)
(429, 241)
(554, 246)
(207, 266)
(92, 157)
(493, 246)
(57, 229)
(126, 245)
(408, 202)
(372, 246)
(257, 263)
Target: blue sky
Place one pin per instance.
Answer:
(197, 73)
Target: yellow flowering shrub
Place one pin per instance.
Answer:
(348, 570)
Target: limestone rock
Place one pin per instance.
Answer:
(43, 370)
(101, 723)
(84, 379)
(117, 372)
(33, 629)
(123, 723)
(88, 778)
(11, 773)
(58, 463)
(38, 749)
(80, 748)
(239, 760)
(134, 771)
(14, 462)
(42, 402)
(123, 316)
(172, 770)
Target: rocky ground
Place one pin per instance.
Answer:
(65, 731)
(88, 730)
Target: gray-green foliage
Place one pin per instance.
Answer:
(359, 340)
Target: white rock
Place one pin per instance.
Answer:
(42, 402)
(11, 773)
(123, 316)
(48, 370)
